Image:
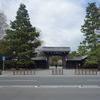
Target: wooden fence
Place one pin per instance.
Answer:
(86, 72)
(23, 72)
(57, 71)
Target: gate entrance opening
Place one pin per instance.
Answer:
(56, 51)
(55, 61)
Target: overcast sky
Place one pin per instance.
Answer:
(59, 20)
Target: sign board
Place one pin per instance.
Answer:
(3, 57)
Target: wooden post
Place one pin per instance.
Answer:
(30, 72)
(79, 71)
(62, 71)
(89, 71)
(56, 71)
(59, 71)
(17, 72)
(52, 71)
(82, 71)
(85, 71)
(13, 72)
(96, 72)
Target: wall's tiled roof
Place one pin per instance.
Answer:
(73, 59)
(76, 58)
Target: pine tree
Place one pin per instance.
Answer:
(82, 49)
(73, 54)
(21, 39)
(90, 30)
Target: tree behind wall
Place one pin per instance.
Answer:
(21, 39)
(92, 36)
(54, 61)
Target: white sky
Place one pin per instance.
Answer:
(59, 20)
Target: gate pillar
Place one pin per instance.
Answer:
(64, 61)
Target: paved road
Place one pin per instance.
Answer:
(86, 80)
(49, 87)
(49, 94)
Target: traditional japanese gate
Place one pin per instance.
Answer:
(56, 51)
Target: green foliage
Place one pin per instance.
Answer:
(73, 54)
(91, 63)
(10, 62)
(82, 50)
(91, 43)
(21, 39)
(54, 60)
(28, 62)
(25, 62)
